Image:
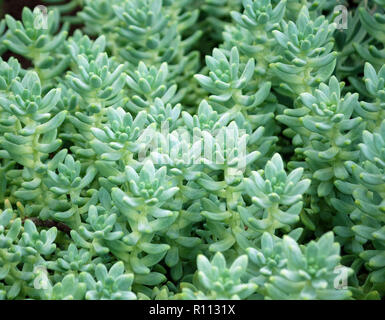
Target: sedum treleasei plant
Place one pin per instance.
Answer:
(209, 149)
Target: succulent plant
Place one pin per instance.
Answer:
(209, 149)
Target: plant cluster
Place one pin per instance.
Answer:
(211, 149)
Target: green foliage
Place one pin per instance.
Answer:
(211, 149)
(326, 131)
(307, 58)
(38, 42)
(367, 189)
(276, 197)
(285, 270)
(218, 281)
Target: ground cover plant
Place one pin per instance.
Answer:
(192, 149)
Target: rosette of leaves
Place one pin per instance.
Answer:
(24, 251)
(34, 242)
(38, 40)
(66, 181)
(119, 141)
(81, 44)
(328, 132)
(69, 288)
(233, 93)
(134, 189)
(264, 261)
(147, 84)
(315, 7)
(226, 151)
(225, 162)
(206, 118)
(180, 152)
(229, 83)
(9, 70)
(373, 110)
(214, 280)
(307, 57)
(99, 16)
(29, 133)
(113, 284)
(144, 200)
(72, 260)
(148, 33)
(367, 189)
(276, 199)
(101, 232)
(205, 144)
(56, 190)
(309, 271)
(185, 146)
(141, 34)
(29, 121)
(252, 33)
(160, 33)
(110, 18)
(164, 116)
(285, 270)
(373, 23)
(10, 254)
(259, 15)
(99, 81)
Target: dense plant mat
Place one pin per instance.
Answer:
(192, 149)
